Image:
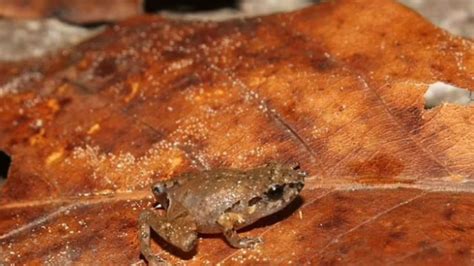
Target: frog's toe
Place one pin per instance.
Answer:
(249, 242)
(157, 261)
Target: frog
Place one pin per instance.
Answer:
(217, 201)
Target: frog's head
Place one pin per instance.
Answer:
(286, 181)
(282, 185)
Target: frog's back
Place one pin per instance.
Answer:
(207, 195)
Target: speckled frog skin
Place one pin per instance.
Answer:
(215, 201)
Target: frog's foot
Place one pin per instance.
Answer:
(242, 242)
(229, 221)
(154, 260)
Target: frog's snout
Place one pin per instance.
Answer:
(302, 174)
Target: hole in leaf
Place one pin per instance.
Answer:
(261, 7)
(188, 5)
(5, 161)
(440, 92)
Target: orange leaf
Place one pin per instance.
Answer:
(336, 87)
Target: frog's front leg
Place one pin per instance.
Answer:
(229, 222)
(179, 231)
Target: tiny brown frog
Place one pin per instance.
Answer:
(216, 201)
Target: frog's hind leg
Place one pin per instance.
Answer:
(229, 221)
(179, 231)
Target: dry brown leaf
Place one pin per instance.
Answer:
(337, 87)
(77, 11)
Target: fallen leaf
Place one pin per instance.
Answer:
(336, 87)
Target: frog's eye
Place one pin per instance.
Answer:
(158, 189)
(275, 192)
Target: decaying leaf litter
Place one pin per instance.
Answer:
(337, 87)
